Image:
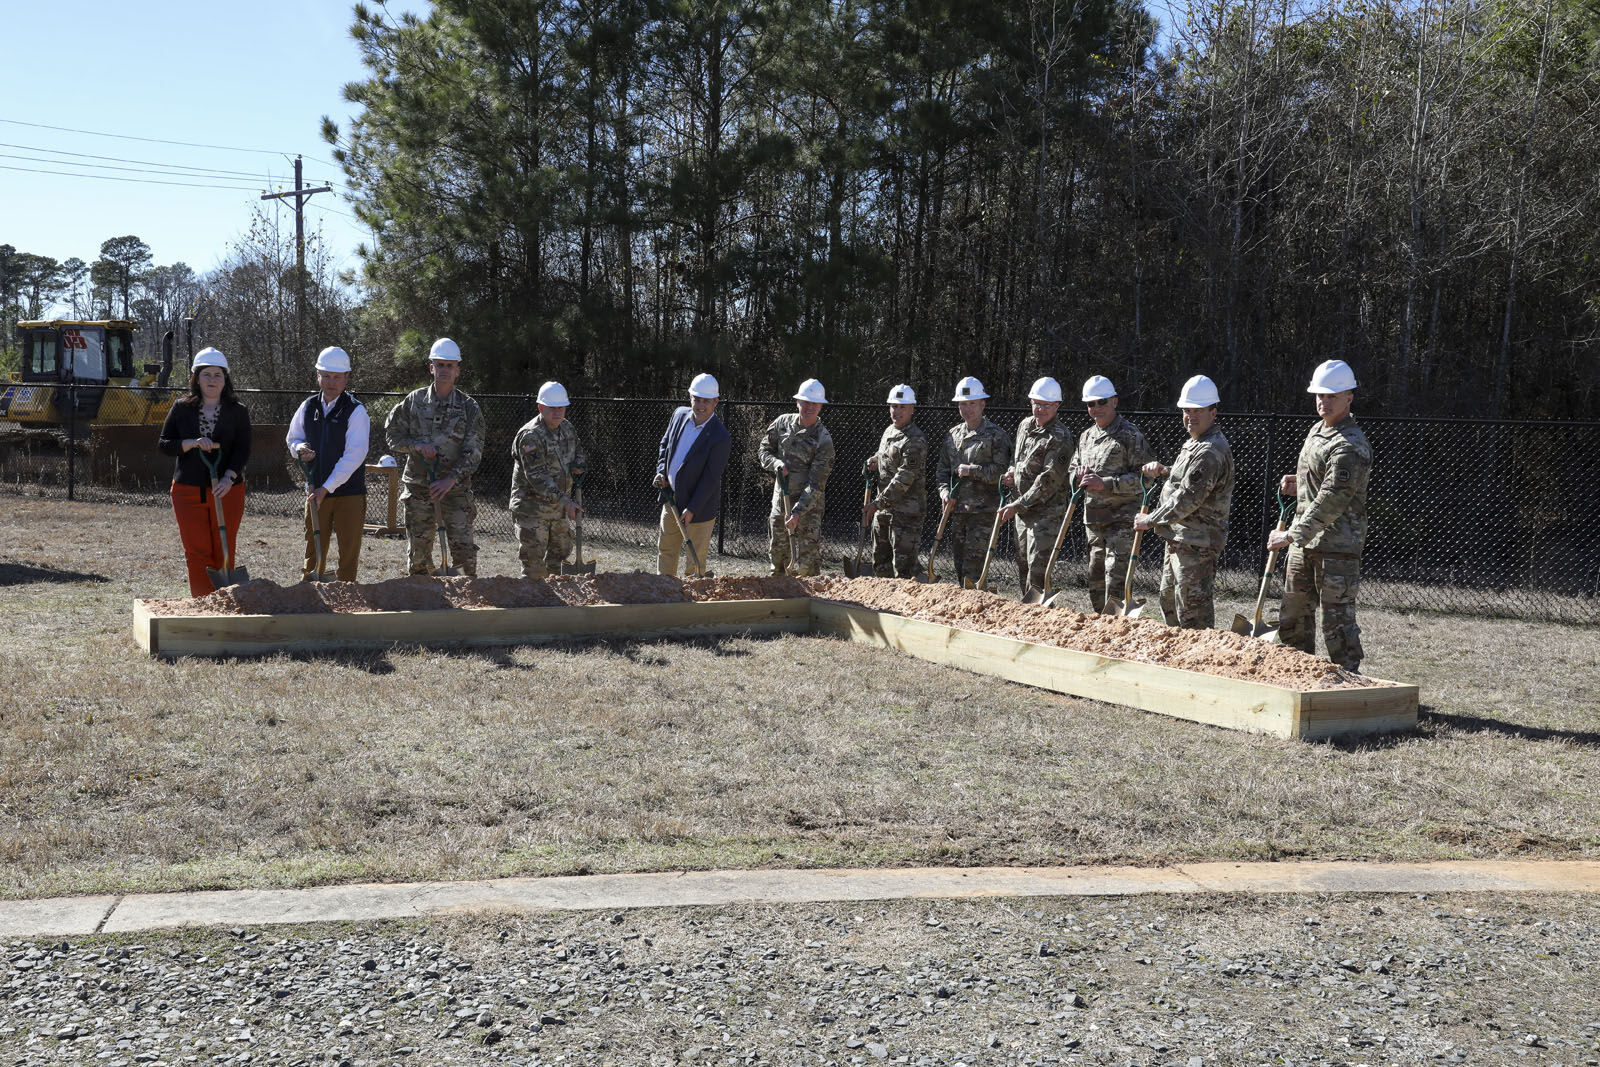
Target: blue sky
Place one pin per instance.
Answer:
(226, 75)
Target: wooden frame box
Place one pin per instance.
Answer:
(1255, 707)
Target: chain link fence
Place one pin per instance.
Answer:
(1472, 517)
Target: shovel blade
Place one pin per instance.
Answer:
(1058, 599)
(1241, 626)
(1035, 596)
(577, 568)
(222, 579)
(1131, 610)
(852, 569)
(1270, 635)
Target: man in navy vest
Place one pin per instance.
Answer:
(330, 431)
(689, 464)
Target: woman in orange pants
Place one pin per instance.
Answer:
(207, 423)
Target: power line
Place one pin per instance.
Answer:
(155, 140)
(136, 170)
(120, 159)
(119, 178)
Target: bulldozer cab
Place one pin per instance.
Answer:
(59, 353)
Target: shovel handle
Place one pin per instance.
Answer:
(683, 533)
(1061, 537)
(938, 534)
(1266, 576)
(1133, 565)
(994, 535)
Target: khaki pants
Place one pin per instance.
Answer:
(344, 518)
(670, 547)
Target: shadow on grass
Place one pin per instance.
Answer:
(1475, 724)
(1431, 723)
(28, 574)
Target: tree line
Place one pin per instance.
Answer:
(622, 192)
(246, 307)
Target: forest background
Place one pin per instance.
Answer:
(621, 193)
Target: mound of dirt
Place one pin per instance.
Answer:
(1215, 652)
(1219, 652)
(425, 593)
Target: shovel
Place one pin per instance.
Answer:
(229, 574)
(320, 574)
(988, 555)
(579, 566)
(788, 505)
(852, 568)
(445, 570)
(1128, 607)
(683, 533)
(938, 535)
(1043, 596)
(1256, 627)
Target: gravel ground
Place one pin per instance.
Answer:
(1478, 979)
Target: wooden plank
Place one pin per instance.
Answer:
(1389, 707)
(253, 635)
(1233, 703)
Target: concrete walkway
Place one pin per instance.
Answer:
(81, 916)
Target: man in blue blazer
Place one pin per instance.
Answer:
(690, 462)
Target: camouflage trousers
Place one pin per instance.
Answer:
(1187, 577)
(1332, 581)
(542, 545)
(969, 540)
(459, 510)
(1110, 546)
(807, 543)
(896, 541)
(1036, 536)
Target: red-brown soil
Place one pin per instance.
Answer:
(1217, 652)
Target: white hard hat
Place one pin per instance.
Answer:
(704, 387)
(969, 388)
(553, 395)
(812, 390)
(1334, 376)
(444, 348)
(1098, 387)
(335, 359)
(902, 394)
(1046, 389)
(388, 461)
(209, 357)
(1198, 392)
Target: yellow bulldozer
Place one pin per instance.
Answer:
(96, 356)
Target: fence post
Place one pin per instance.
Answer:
(722, 501)
(72, 437)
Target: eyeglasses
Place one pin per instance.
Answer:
(1099, 403)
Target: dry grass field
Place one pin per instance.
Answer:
(121, 773)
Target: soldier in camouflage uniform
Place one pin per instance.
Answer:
(1329, 532)
(1038, 473)
(545, 457)
(898, 508)
(1107, 463)
(439, 425)
(1192, 516)
(977, 452)
(797, 451)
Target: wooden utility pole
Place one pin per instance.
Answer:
(300, 195)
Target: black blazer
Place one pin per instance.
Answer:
(232, 435)
(699, 486)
